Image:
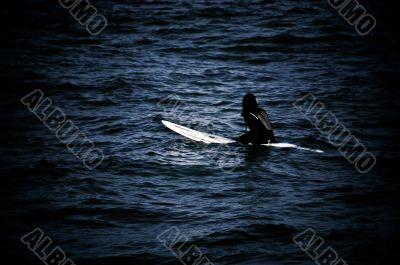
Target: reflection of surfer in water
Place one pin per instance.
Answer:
(257, 120)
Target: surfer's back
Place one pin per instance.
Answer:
(258, 122)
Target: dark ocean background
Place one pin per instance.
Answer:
(246, 207)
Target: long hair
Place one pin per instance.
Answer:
(249, 104)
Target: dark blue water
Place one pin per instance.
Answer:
(246, 207)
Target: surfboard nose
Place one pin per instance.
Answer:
(196, 135)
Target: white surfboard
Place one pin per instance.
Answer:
(196, 135)
(215, 139)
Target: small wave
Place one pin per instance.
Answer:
(252, 232)
(67, 86)
(101, 102)
(257, 61)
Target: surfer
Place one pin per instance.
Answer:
(257, 120)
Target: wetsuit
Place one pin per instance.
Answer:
(260, 128)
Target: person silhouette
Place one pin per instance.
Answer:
(258, 122)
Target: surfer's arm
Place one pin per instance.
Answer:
(263, 117)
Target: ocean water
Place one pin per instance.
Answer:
(191, 62)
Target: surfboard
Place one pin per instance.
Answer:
(215, 139)
(196, 135)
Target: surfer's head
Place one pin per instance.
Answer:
(249, 103)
